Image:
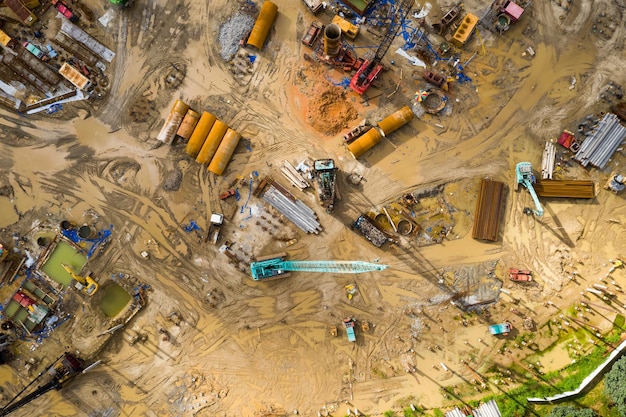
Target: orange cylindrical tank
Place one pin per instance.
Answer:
(188, 124)
(332, 40)
(396, 120)
(365, 142)
(212, 142)
(200, 133)
(263, 24)
(224, 152)
(168, 131)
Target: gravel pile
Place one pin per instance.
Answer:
(232, 32)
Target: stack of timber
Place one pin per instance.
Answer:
(565, 188)
(488, 208)
(295, 210)
(293, 176)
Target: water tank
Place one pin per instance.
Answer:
(224, 152)
(188, 124)
(212, 142)
(168, 131)
(396, 120)
(263, 24)
(365, 142)
(200, 133)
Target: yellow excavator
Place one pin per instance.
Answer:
(89, 286)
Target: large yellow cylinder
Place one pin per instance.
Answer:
(224, 152)
(212, 142)
(200, 133)
(168, 131)
(396, 120)
(188, 125)
(263, 24)
(332, 39)
(365, 142)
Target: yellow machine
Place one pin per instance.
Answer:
(89, 286)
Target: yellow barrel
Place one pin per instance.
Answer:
(263, 24)
(168, 131)
(200, 133)
(224, 152)
(212, 142)
(396, 120)
(365, 142)
(189, 124)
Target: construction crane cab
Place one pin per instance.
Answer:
(615, 183)
(85, 283)
(524, 175)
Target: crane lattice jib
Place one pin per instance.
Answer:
(394, 27)
(335, 267)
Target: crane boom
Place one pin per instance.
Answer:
(370, 69)
(278, 267)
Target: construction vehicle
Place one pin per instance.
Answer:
(68, 368)
(325, 172)
(348, 323)
(85, 283)
(370, 69)
(64, 10)
(524, 175)
(615, 183)
(520, 275)
(35, 51)
(215, 226)
(500, 329)
(227, 193)
(275, 266)
(312, 34)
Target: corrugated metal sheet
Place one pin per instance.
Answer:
(455, 413)
(21, 11)
(83, 37)
(74, 76)
(598, 148)
(488, 409)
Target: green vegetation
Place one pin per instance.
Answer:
(389, 413)
(571, 411)
(438, 413)
(619, 321)
(615, 385)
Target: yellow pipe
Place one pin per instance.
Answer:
(188, 124)
(263, 24)
(365, 142)
(396, 120)
(200, 133)
(224, 152)
(212, 142)
(168, 131)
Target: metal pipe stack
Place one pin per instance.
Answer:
(295, 210)
(598, 148)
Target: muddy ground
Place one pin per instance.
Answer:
(250, 349)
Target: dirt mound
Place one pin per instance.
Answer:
(329, 112)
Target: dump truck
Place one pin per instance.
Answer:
(216, 221)
(312, 34)
(348, 323)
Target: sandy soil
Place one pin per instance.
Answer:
(264, 349)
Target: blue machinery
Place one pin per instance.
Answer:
(524, 175)
(275, 266)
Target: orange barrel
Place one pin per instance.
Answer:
(396, 120)
(189, 124)
(168, 131)
(365, 142)
(224, 152)
(212, 142)
(200, 133)
(263, 24)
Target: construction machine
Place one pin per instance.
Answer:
(615, 183)
(370, 69)
(275, 266)
(62, 370)
(326, 174)
(524, 175)
(85, 283)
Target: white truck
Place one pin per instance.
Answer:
(314, 5)
(214, 228)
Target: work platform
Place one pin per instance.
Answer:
(565, 188)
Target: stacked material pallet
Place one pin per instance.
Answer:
(598, 148)
(565, 188)
(295, 210)
(488, 208)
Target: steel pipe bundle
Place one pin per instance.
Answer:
(296, 211)
(598, 148)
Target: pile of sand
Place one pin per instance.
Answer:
(329, 112)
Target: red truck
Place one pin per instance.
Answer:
(520, 275)
(64, 10)
(312, 34)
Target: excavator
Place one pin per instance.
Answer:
(275, 266)
(87, 284)
(68, 367)
(524, 175)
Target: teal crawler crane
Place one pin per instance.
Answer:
(275, 267)
(524, 175)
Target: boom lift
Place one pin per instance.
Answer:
(275, 266)
(370, 69)
(524, 175)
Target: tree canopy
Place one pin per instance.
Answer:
(615, 385)
(571, 411)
